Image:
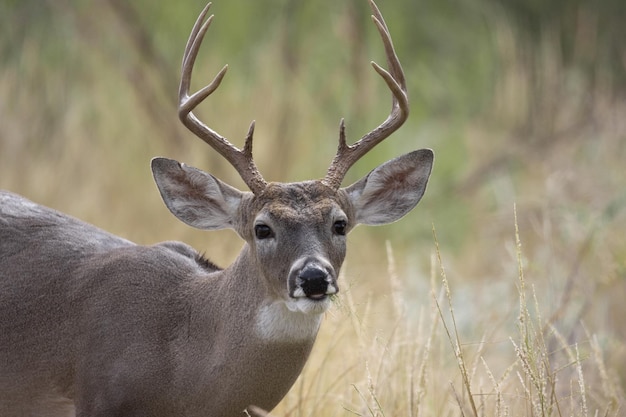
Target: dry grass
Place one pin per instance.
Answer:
(383, 358)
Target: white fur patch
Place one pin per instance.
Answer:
(290, 321)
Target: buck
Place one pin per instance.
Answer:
(94, 325)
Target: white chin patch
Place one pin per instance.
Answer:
(308, 306)
(288, 321)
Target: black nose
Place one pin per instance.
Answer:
(313, 281)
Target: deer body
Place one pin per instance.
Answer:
(92, 325)
(97, 323)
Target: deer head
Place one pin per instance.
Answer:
(295, 231)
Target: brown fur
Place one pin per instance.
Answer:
(94, 325)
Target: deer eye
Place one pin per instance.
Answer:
(262, 231)
(340, 227)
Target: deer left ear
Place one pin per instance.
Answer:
(196, 197)
(390, 191)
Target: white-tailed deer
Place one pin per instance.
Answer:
(94, 325)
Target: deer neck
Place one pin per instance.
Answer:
(248, 307)
(240, 333)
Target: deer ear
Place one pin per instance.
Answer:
(195, 197)
(391, 190)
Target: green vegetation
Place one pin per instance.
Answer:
(513, 311)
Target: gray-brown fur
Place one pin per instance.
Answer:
(92, 325)
(123, 329)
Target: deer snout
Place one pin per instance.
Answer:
(315, 280)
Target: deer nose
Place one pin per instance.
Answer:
(315, 282)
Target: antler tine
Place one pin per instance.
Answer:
(241, 160)
(347, 155)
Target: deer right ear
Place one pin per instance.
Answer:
(195, 197)
(392, 190)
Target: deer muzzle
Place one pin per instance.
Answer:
(312, 278)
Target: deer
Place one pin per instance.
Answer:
(94, 325)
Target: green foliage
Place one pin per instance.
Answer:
(589, 33)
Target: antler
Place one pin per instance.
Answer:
(241, 160)
(347, 155)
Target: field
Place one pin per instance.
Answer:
(501, 294)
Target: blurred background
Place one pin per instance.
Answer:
(523, 102)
